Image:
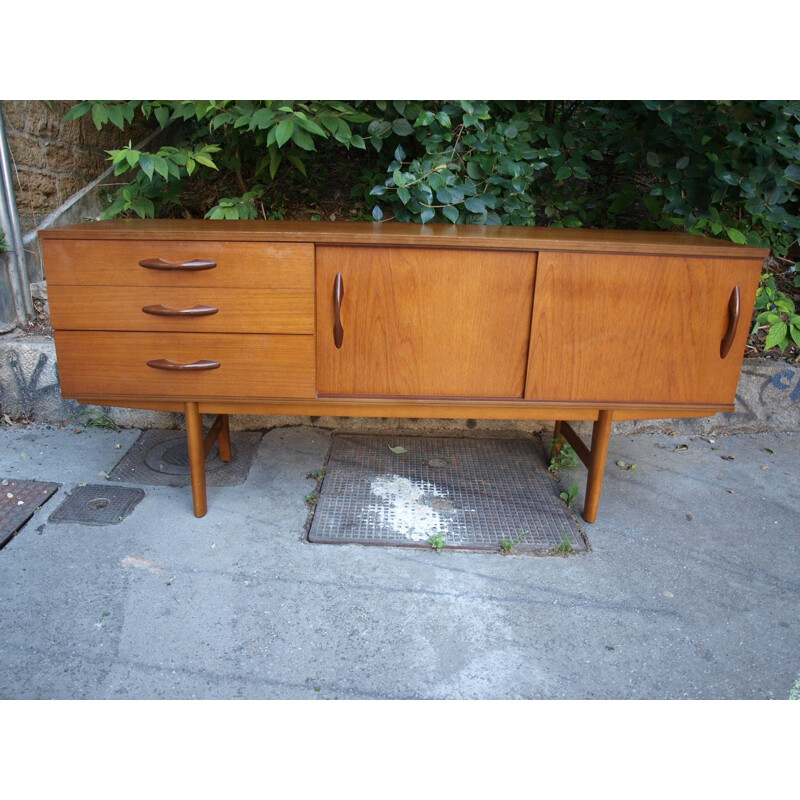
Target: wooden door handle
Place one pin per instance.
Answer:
(193, 266)
(166, 311)
(734, 304)
(198, 366)
(338, 297)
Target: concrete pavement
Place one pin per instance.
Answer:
(691, 588)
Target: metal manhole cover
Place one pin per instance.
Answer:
(474, 492)
(98, 505)
(18, 502)
(161, 458)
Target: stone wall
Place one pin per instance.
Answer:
(53, 158)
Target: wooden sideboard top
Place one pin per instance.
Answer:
(401, 234)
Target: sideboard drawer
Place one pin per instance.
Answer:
(262, 265)
(250, 366)
(182, 309)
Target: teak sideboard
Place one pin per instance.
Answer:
(398, 320)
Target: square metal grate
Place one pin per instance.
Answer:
(18, 502)
(161, 458)
(98, 505)
(474, 492)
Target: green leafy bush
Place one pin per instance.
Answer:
(728, 169)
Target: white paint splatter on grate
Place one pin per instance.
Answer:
(405, 508)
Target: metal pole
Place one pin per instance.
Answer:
(9, 220)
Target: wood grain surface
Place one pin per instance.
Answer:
(407, 234)
(417, 322)
(636, 329)
(119, 308)
(86, 262)
(252, 365)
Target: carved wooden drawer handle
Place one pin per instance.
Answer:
(193, 266)
(166, 311)
(165, 363)
(733, 323)
(338, 297)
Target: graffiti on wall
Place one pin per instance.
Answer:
(786, 380)
(28, 382)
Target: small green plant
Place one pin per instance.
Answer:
(97, 419)
(507, 545)
(563, 456)
(311, 499)
(569, 496)
(777, 314)
(320, 473)
(437, 542)
(565, 546)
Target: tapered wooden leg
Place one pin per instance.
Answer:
(197, 458)
(224, 441)
(601, 433)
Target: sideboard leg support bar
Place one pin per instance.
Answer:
(594, 458)
(219, 432)
(225, 439)
(197, 458)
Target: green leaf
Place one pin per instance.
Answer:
(377, 214)
(99, 116)
(426, 215)
(297, 162)
(143, 207)
(451, 212)
(161, 166)
(475, 205)
(284, 131)
(777, 336)
(379, 128)
(116, 115)
(162, 115)
(564, 171)
(682, 163)
(206, 161)
(736, 236)
(444, 119)
(475, 171)
(397, 449)
(402, 127)
(275, 159)
(310, 125)
(652, 159)
(147, 165)
(302, 139)
(450, 194)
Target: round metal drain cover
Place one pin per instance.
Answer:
(172, 457)
(97, 503)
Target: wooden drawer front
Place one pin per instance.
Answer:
(251, 366)
(119, 308)
(637, 329)
(261, 265)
